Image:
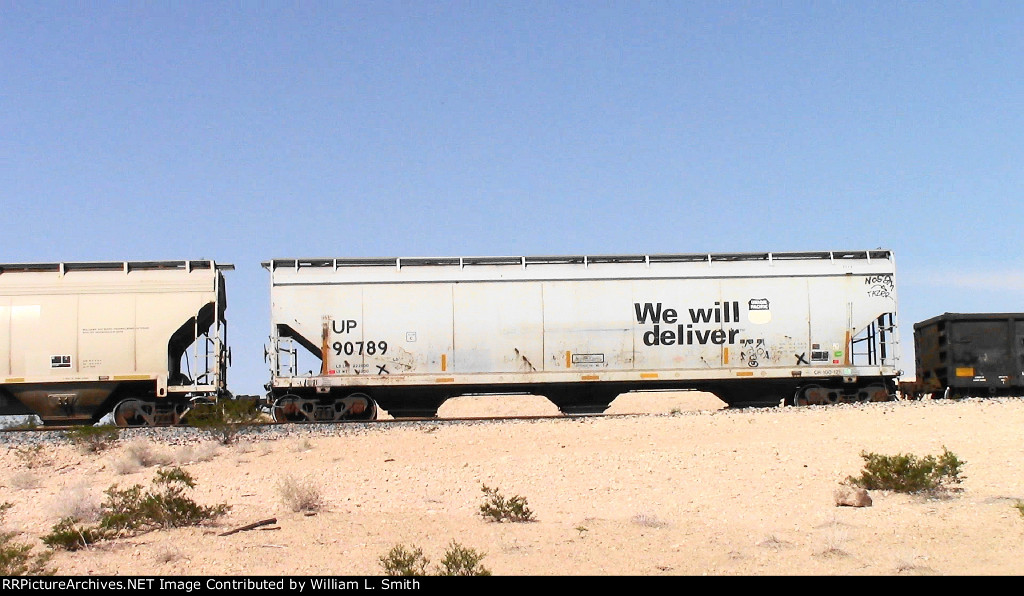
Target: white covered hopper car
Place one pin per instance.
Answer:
(409, 333)
(143, 340)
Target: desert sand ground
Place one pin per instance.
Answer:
(673, 485)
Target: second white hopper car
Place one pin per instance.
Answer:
(409, 333)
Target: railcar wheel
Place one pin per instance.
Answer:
(289, 408)
(370, 413)
(356, 406)
(875, 392)
(133, 412)
(808, 395)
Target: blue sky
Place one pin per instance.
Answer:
(245, 132)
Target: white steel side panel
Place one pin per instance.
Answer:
(158, 316)
(499, 327)
(24, 321)
(680, 324)
(306, 309)
(841, 308)
(873, 295)
(106, 333)
(371, 330)
(830, 303)
(338, 312)
(309, 311)
(772, 327)
(588, 325)
(42, 330)
(406, 329)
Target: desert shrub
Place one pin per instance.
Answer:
(33, 456)
(648, 521)
(17, 558)
(458, 560)
(164, 506)
(400, 561)
(205, 451)
(499, 509)
(908, 473)
(224, 419)
(168, 554)
(132, 510)
(1020, 507)
(93, 439)
(300, 495)
(125, 465)
(835, 541)
(68, 534)
(140, 454)
(77, 503)
(25, 480)
(146, 455)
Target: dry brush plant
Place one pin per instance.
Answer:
(34, 456)
(146, 455)
(78, 503)
(140, 454)
(134, 510)
(93, 439)
(25, 480)
(300, 495)
(648, 521)
(205, 451)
